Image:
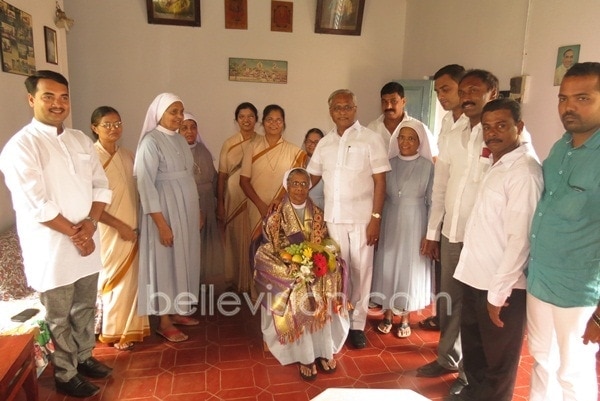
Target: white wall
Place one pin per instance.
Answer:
(117, 58)
(555, 23)
(14, 109)
(508, 38)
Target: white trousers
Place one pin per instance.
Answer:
(352, 239)
(564, 368)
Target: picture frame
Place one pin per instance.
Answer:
(282, 16)
(566, 56)
(51, 45)
(236, 14)
(17, 55)
(339, 17)
(174, 12)
(258, 70)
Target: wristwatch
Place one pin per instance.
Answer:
(376, 215)
(93, 220)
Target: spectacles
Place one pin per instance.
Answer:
(274, 121)
(114, 125)
(309, 142)
(298, 184)
(339, 109)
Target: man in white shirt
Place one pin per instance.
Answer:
(458, 171)
(446, 81)
(494, 257)
(352, 160)
(59, 191)
(393, 113)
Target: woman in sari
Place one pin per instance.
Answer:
(303, 314)
(205, 175)
(263, 166)
(232, 211)
(117, 283)
(170, 222)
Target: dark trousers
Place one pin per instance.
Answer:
(491, 353)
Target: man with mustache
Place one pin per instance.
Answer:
(563, 277)
(458, 171)
(393, 113)
(494, 257)
(59, 191)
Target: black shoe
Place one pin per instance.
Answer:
(434, 369)
(77, 387)
(93, 368)
(357, 338)
(458, 386)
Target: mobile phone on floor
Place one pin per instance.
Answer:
(25, 315)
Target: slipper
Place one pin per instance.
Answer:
(403, 330)
(323, 365)
(184, 320)
(430, 324)
(306, 377)
(173, 335)
(385, 326)
(126, 346)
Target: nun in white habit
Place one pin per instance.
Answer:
(169, 226)
(401, 275)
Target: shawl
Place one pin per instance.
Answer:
(296, 307)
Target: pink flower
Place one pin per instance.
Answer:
(486, 152)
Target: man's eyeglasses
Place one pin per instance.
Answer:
(339, 109)
(114, 125)
(298, 184)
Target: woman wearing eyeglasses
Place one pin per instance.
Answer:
(118, 281)
(303, 311)
(311, 139)
(263, 166)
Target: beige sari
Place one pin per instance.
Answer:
(236, 239)
(118, 281)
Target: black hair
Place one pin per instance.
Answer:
(246, 105)
(392, 87)
(487, 77)
(99, 113)
(314, 131)
(454, 71)
(31, 81)
(504, 104)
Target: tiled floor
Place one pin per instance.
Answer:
(224, 360)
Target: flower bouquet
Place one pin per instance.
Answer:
(310, 260)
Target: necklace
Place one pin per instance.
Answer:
(270, 157)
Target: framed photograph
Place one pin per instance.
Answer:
(174, 12)
(282, 16)
(257, 70)
(236, 14)
(565, 58)
(339, 17)
(51, 47)
(17, 40)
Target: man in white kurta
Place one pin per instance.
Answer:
(59, 190)
(393, 113)
(352, 160)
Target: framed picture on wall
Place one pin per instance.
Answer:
(236, 14)
(17, 40)
(282, 16)
(565, 58)
(339, 17)
(51, 46)
(174, 12)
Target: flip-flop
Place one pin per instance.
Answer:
(403, 330)
(126, 346)
(385, 326)
(305, 377)
(430, 324)
(173, 335)
(184, 320)
(323, 366)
